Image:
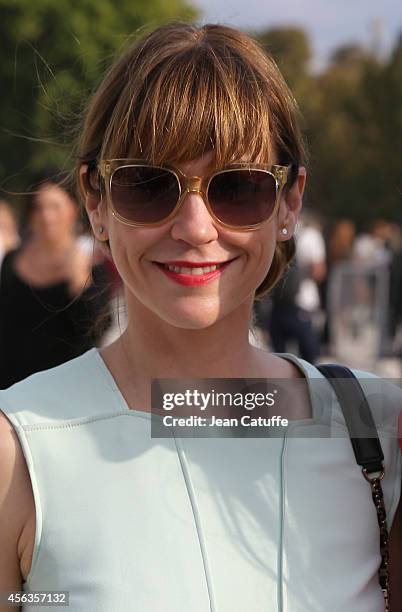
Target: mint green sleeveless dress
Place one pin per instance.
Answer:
(130, 523)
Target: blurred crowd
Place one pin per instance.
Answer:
(56, 284)
(341, 295)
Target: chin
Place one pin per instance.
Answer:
(192, 318)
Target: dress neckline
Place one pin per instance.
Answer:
(307, 370)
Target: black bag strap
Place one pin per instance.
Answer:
(358, 417)
(368, 451)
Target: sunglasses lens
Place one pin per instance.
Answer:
(144, 194)
(242, 197)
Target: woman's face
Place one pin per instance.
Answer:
(54, 213)
(140, 255)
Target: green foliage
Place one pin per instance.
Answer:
(291, 50)
(53, 55)
(353, 124)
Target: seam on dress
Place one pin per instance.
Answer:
(108, 379)
(77, 421)
(190, 490)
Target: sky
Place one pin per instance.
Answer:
(330, 23)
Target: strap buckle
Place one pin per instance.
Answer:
(373, 476)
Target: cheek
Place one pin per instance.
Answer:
(259, 246)
(265, 262)
(130, 246)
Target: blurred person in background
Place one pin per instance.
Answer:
(296, 299)
(372, 247)
(340, 243)
(374, 252)
(311, 259)
(9, 236)
(49, 288)
(395, 290)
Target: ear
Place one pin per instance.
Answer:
(95, 207)
(290, 206)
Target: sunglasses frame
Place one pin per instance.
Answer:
(190, 184)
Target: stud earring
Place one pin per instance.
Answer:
(100, 230)
(284, 231)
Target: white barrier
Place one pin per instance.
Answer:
(358, 302)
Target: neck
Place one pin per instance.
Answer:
(157, 349)
(52, 246)
(150, 348)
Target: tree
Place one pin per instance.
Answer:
(355, 137)
(53, 55)
(290, 47)
(335, 134)
(348, 55)
(353, 124)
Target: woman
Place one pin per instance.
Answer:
(192, 168)
(49, 291)
(9, 238)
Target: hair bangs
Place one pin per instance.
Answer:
(192, 104)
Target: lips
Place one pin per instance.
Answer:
(193, 273)
(194, 270)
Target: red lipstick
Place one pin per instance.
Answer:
(193, 280)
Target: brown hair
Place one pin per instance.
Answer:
(185, 90)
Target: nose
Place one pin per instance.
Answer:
(193, 223)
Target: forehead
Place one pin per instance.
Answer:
(198, 166)
(206, 163)
(52, 195)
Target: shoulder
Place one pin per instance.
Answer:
(16, 505)
(384, 397)
(11, 456)
(78, 388)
